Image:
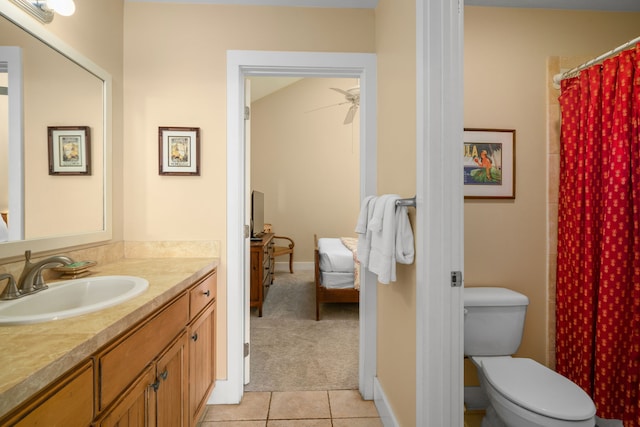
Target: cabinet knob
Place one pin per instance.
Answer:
(164, 375)
(155, 385)
(194, 337)
(207, 293)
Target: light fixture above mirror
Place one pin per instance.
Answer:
(43, 10)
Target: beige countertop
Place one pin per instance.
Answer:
(32, 356)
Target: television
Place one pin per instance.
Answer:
(257, 214)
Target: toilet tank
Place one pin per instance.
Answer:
(493, 321)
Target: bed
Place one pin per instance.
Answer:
(336, 271)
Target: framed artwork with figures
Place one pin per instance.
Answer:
(489, 163)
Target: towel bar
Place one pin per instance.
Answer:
(407, 202)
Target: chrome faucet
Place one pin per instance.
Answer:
(31, 280)
(10, 290)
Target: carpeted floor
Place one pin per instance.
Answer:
(290, 351)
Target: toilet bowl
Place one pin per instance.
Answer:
(524, 393)
(521, 392)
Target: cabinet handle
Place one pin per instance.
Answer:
(194, 337)
(155, 385)
(164, 375)
(207, 293)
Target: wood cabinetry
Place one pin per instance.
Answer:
(158, 396)
(171, 385)
(67, 403)
(120, 363)
(262, 270)
(135, 407)
(202, 338)
(160, 372)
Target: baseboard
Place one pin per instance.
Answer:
(382, 405)
(297, 266)
(223, 394)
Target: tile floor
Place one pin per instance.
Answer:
(334, 408)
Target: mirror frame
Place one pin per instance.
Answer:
(17, 248)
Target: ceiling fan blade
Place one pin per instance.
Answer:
(327, 106)
(351, 114)
(344, 92)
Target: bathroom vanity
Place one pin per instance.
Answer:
(150, 360)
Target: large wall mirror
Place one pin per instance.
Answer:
(60, 89)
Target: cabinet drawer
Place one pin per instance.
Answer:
(69, 404)
(202, 294)
(128, 357)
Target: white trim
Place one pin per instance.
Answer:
(241, 64)
(12, 55)
(439, 213)
(382, 405)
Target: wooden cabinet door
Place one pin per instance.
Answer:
(171, 385)
(256, 275)
(136, 406)
(122, 362)
(201, 361)
(68, 404)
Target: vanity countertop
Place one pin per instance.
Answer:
(32, 356)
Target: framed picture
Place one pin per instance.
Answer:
(489, 164)
(179, 151)
(69, 150)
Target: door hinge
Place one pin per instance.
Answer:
(247, 112)
(456, 279)
(246, 349)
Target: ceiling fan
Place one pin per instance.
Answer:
(352, 96)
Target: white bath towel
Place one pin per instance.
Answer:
(388, 238)
(364, 238)
(382, 258)
(405, 250)
(4, 231)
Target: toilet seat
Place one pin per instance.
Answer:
(537, 388)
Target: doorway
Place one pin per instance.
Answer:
(304, 151)
(243, 64)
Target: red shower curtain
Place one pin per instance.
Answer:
(598, 273)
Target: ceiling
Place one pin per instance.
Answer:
(612, 5)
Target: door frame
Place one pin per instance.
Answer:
(242, 64)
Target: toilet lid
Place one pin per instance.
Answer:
(537, 388)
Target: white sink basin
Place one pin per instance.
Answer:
(71, 298)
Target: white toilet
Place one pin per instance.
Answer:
(521, 392)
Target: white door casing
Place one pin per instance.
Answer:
(439, 213)
(247, 221)
(242, 64)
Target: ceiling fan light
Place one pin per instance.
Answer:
(62, 7)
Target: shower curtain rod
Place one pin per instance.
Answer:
(574, 71)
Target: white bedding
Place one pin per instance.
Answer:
(332, 280)
(334, 256)
(337, 267)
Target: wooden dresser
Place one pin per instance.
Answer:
(262, 264)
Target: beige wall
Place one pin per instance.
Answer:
(306, 162)
(506, 86)
(396, 49)
(175, 57)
